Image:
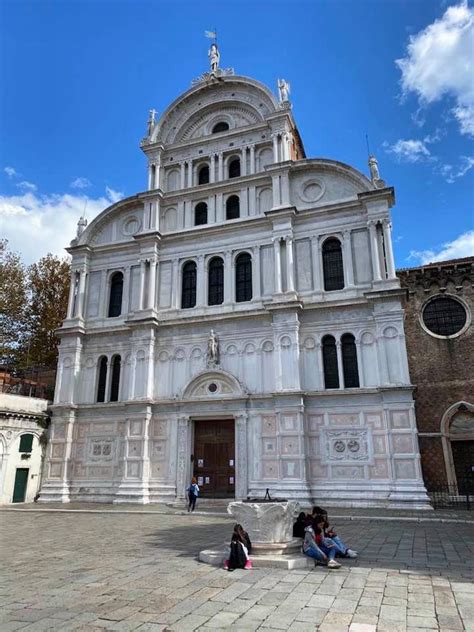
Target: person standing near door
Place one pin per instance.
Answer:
(193, 493)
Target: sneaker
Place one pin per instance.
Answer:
(333, 564)
(351, 553)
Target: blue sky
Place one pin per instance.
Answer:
(78, 78)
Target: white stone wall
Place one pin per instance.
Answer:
(270, 376)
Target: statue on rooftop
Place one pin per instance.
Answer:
(284, 90)
(214, 57)
(81, 226)
(151, 122)
(375, 174)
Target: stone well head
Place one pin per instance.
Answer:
(265, 522)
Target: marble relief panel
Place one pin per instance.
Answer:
(374, 420)
(269, 426)
(379, 443)
(380, 469)
(136, 428)
(348, 471)
(288, 423)
(158, 450)
(290, 469)
(135, 448)
(133, 469)
(317, 470)
(346, 445)
(269, 445)
(399, 419)
(315, 422)
(270, 469)
(290, 445)
(402, 444)
(55, 470)
(344, 419)
(59, 431)
(405, 468)
(314, 449)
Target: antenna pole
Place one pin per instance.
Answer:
(367, 141)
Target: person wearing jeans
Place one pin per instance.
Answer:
(321, 551)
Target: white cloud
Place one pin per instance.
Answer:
(27, 186)
(10, 171)
(462, 246)
(439, 62)
(451, 173)
(36, 224)
(114, 196)
(409, 150)
(80, 183)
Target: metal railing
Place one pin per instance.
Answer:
(456, 497)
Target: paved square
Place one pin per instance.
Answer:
(135, 571)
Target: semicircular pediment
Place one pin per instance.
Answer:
(213, 383)
(234, 114)
(253, 99)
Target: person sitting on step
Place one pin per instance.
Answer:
(343, 550)
(240, 549)
(300, 525)
(315, 545)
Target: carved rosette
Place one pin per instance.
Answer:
(266, 523)
(347, 445)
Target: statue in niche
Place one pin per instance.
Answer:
(151, 122)
(214, 57)
(284, 90)
(213, 349)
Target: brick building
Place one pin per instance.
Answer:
(440, 343)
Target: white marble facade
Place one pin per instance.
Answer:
(355, 445)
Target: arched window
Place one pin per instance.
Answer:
(232, 207)
(332, 265)
(188, 291)
(115, 381)
(243, 278)
(331, 375)
(102, 379)
(26, 443)
(200, 214)
(349, 361)
(216, 282)
(234, 168)
(116, 291)
(222, 126)
(203, 175)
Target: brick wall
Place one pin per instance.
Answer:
(442, 370)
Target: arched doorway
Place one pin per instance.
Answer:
(457, 431)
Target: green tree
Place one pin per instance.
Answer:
(48, 294)
(13, 306)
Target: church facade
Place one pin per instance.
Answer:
(239, 321)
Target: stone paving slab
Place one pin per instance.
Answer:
(136, 571)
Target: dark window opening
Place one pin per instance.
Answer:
(333, 268)
(243, 278)
(26, 443)
(200, 214)
(234, 168)
(349, 361)
(232, 207)
(222, 126)
(115, 381)
(331, 375)
(102, 379)
(188, 291)
(116, 291)
(203, 175)
(444, 316)
(216, 282)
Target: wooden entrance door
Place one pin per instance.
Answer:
(21, 481)
(214, 457)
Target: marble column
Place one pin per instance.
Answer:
(201, 282)
(141, 296)
(316, 264)
(243, 161)
(72, 293)
(152, 284)
(190, 173)
(252, 159)
(228, 276)
(340, 370)
(183, 462)
(81, 294)
(212, 169)
(277, 264)
(241, 462)
(348, 263)
(175, 285)
(183, 174)
(290, 268)
(387, 237)
(275, 147)
(126, 291)
(360, 366)
(256, 290)
(220, 166)
(276, 191)
(374, 250)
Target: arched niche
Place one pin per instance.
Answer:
(457, 427)
(213, 383)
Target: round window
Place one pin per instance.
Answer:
(212, 388)
(444, 316)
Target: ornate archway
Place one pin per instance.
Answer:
(457, 427)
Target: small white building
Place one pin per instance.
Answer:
(22, 441)
(240, 321)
